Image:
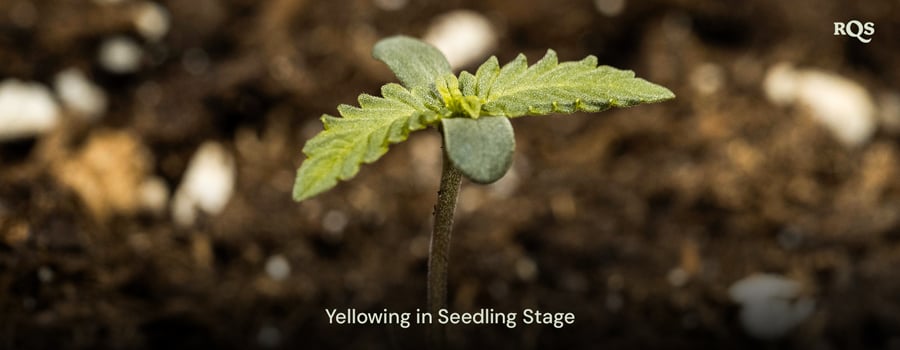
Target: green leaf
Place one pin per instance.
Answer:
(473, 109)
(455, 100)
(551, 87)
(482, 149)
(361, 136)
(416, 63)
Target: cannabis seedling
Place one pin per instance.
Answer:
(472, 112)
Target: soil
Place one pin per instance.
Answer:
(635, 220)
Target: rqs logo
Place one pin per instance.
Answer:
(855, 29)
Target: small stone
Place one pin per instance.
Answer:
(26, 110)
(45, 274)
(79, 94)
(154, 195)
(208, 183)
(707, 78)
(183, 211)
(610, 8)
(464, 37)
(842, 105)
(771, 305)
(780, 84)
(278, 268)
(335, 221)
(151, 20)
(120, 55)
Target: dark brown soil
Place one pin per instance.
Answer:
(598, 211)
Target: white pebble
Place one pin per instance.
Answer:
(151, 20)
(465, 37)
(208, 183)
(781, 83)
(771, 305)
(45, 274)
(120, 55)
(610, 8)
(278, 268)
(843, 106)
(154, 195)
(707, 78)
(335, 221)
(79, 94)
(183, 211)
(26, 109)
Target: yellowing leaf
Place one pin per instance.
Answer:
(361, 136)
(455, 100)
(551, 87)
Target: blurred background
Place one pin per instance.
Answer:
(148, 150)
